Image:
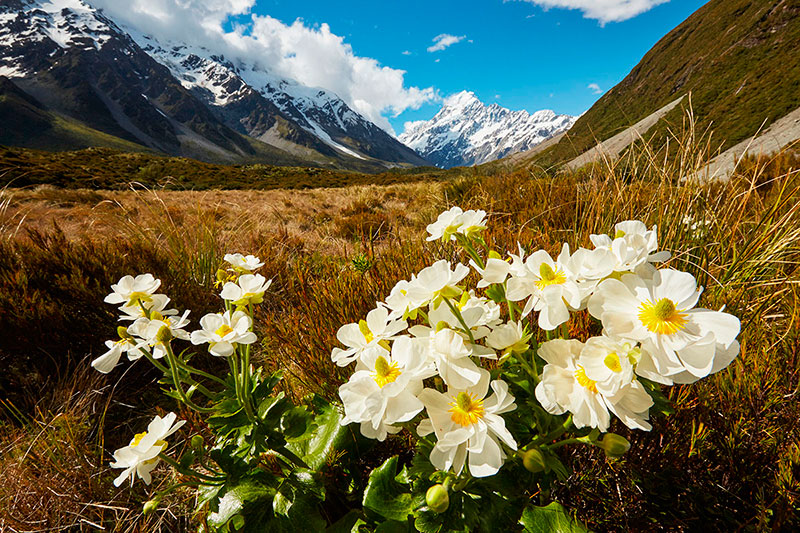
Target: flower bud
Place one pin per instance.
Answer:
(164, 335)
(437, 498)
(534, 461)
(615, 445)
(197, 443)
(122, 331)
(149, 507)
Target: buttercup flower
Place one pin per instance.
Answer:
(129, 290)
(156, 303)
(676, 338)
(633, 245)
(446, 225)
(436, 282)
(565, 386)
(106, 362)
(509, 338)
(452, 356)
(375, 331)
(152, 330)
(223, 331)
(248, 289)
(383, 390)
(468, 426)
(243, 263)
(141, 456)
(549, 286)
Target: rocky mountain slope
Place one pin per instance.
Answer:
(81, 67)
(467, 132)
(739, 60)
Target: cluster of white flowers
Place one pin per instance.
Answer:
(651, 330)
(153, 328)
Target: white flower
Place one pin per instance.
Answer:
(495, 270)
(141, 456)
(399, 301)
(436, 282)
(479, 314)
(468, 426)
(243, 263)
(248, 289)
(383, 390)
(223, 331)
(157, 303)
(106, 362)
(472, 222)
(549, 285)
(446, 225)
(375, 331)
(129, 290)
(565, 386)
(677, 339)
(148, 329)
(609, 363)
(590, 268)
(508, 338)
(452, 356)
(633, 245)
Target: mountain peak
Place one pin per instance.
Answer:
(468, 132)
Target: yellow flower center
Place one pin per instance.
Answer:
(364, 329)
(550, 276)
(385, 373)
(138, 438)
(466, 409)
(662, 317)
(612, 362)
(223, 330)
(137, 297)
(583, 381)
(619, 234)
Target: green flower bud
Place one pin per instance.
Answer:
(164, 335)
(122, 331)
(534, 461)
(615, 445)
(149, 507)
(197, 443)
(437, 498)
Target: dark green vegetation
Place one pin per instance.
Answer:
(103, 168)
(727, 459)
(739, 59)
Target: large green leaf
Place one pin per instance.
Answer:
(242, 499)
(552, 518)
(328, 436)
(385, 496)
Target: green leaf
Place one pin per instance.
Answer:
(495, 293)
(392, 526)
(328, 436)
(239, 499)
(550, 519)
(295, 422)
(349, 523)
(385, 496)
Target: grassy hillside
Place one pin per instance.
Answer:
(739, 59)
(103, 168)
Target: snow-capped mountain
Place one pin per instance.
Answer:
(467, 132)
(181, 100)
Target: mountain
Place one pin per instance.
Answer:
(85, 71)
(739, 60)
(467, 132)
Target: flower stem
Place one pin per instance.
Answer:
(460, 318)
(178, 383)
(214, 480)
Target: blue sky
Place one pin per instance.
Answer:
(514, 53)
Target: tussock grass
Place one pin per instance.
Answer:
(727, 459)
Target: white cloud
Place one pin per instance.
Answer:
(442, 41)
(594, 88)
(313, 56)
(406, 53)
(603, 10)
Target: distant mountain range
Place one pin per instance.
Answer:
(70, 77)
(467, 132)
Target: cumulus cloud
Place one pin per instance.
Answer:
(594, 88)
(313, 56)
(603, 10)
(442, 41)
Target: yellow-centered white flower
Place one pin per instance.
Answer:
(106, 362)
(436, 282)
(129, 290)
(376, 331)
(677, 339)
(452, 356)
(383, 390)
(140, 457)
(243, 263)
(157, 303)
(479, 314)
(550, 287)
(455, 220)
(632, 245)
(151, 332)
(509, 338)
(249, 289)
(224, 331)
(468, 426)
(565, 386)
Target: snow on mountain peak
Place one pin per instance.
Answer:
(467, 132)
